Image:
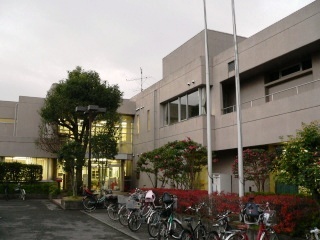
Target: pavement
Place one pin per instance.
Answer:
(101, 215)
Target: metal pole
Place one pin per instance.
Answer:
(89, 159)
(208, 103)
(239, 128)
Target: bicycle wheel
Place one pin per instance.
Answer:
(154, 224)
(89, 204)
(269, 236)
(176, 229)
(112, 211)
(123, 215)
(237, 236)
(163, 232)
(201, 232)
(186, 235)
(213, 235)
(134, 221)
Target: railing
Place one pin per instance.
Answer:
(268, 98)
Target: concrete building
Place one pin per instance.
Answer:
(279, 86)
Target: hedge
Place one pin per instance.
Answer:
(18, 172)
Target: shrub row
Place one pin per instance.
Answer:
(295, 214)
(18, 172)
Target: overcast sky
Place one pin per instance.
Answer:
(40, 41)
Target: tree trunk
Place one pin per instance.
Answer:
(79, 180)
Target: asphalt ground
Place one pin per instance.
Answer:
(45, 220)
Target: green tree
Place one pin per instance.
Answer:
(257, 166)
(299, 161)
(81, 88)
(179, 162)
(69, 154)
(104, 145)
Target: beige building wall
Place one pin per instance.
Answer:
(265, 115)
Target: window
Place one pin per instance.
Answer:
(193, 105)
(287, 71)
(231, 66)
(174, 113)
(184, 107)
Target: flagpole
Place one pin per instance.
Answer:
(238, 108)
(208, 103)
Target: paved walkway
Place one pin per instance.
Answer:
(101, 215)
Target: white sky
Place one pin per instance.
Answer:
(41, 40)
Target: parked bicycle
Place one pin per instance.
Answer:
(197, 232)
(91, 200)
(141, 212)
(134, 199)
(154, 221)
(21, 191)
(221, 227)
(313, 234)
(113, 208)
(265, 222)
(170, 226)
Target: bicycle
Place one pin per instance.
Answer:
(113, 208)
(169, 226)
(313, 234)
(140, 213)
(91, 200)
(197, 232)
(154, 221)
(21, 191)
(265, 231)
(222, 227)
(132, 202)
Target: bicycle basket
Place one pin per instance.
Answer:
(133, 204)
(270, 217)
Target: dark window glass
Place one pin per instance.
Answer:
(290, 70)
(193, 104)
(231, 66)
(307, 64)
(174, 111)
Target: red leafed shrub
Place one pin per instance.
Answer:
(295, 214)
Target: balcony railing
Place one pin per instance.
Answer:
(271, 97)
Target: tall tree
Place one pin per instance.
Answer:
(81, 88)
(257, 166)
(299, 160)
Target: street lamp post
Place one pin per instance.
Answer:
(92, 111)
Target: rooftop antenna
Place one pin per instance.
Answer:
(141, 79)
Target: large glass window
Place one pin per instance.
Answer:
(174, 113)
(193, 104)
(184, 107)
